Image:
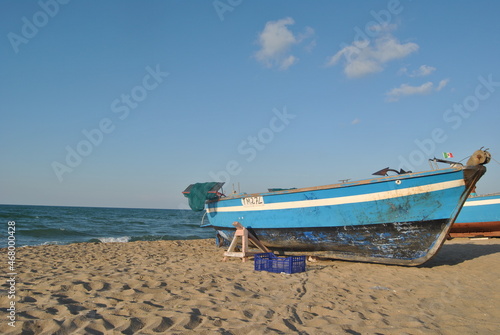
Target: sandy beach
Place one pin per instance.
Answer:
(183, 287)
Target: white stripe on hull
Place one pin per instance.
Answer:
(344, 200)
(482, 202)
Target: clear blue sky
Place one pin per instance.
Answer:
(125, 103)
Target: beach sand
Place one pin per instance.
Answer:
(183, 287)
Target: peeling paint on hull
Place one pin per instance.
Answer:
(400, 219)
(406, 243)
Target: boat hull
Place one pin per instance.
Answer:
(400, 219)
(391, 243)
(480, 216)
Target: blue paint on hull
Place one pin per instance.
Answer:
(474, 211)
(406, 241)
(400, 219)
(480, 216)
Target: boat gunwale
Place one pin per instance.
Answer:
(347, 184)
(475, 197)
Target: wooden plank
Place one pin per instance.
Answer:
(476, 234)
(246, 237)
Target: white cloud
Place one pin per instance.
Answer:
(275, 38)
(309, 32)
(369, 56)
(276, 41)
(287, 62)
(355, 121)
(309, 48)
(442, 84)
(422, 71)
(407, 90)
(383, 28)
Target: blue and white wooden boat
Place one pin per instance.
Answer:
(402, 219)
(480, 216)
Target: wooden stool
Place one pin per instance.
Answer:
(246, 236)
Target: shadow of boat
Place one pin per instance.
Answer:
(453, 254)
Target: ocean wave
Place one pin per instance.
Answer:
(122, 239)
(168, 237)
(50, 225)
(53, 232)
(52, 243)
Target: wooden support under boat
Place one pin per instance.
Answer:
(246, 237)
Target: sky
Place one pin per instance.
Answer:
(126, 103)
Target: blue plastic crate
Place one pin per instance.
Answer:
(270, 262)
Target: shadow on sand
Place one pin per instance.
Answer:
(452, 254)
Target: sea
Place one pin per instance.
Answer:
(42, 225)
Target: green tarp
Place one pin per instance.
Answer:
(198, 194)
